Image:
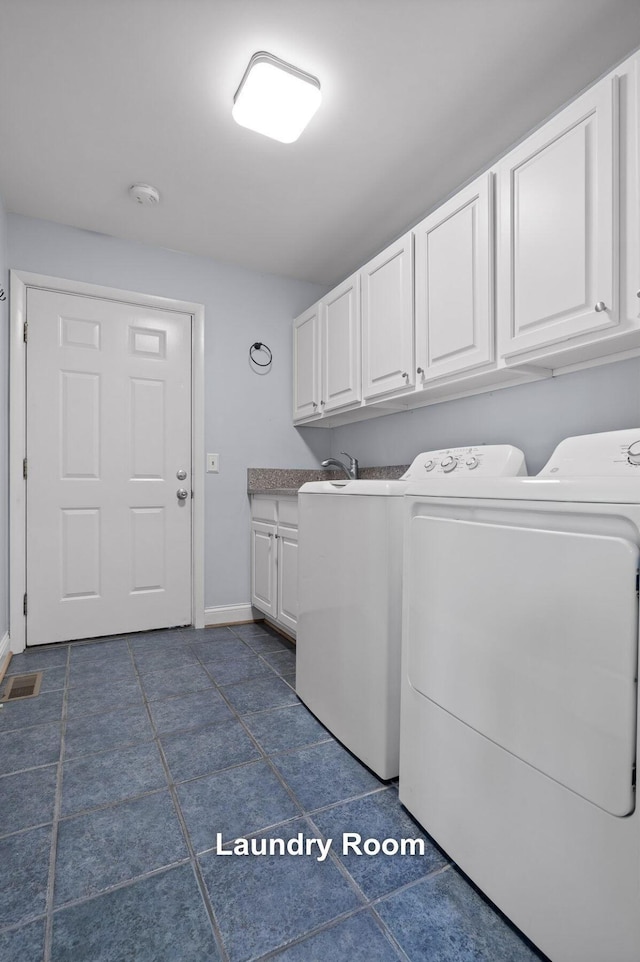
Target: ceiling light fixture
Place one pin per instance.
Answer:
(276, 99)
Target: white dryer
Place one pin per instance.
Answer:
(350, 598)
(519, 719)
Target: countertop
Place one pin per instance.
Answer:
(286, 482)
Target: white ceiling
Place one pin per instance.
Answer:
(418, 96)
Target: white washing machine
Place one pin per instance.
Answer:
(519, 690)
(350, 598)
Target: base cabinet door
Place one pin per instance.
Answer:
(557, 246)
(288, 577)
(263, 567)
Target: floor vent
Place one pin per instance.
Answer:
(22, 686)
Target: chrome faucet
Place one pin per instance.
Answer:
(351, 471)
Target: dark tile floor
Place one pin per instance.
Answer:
(140, 752)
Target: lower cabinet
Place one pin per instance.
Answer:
(274, 559)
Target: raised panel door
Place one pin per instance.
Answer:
(557, 251)
(387, 321)
(288, 577)
(454, 284)
(108, 428)
(341, 364)
(263, 567)
(306, 376)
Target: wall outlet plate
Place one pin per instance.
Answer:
(213, 463)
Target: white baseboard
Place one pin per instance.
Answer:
(5, 648)
(230, 614)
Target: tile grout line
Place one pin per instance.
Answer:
(368, 905)
(48, 933)
(339, 864)
(195, 867)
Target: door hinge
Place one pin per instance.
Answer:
(638, 583)
(24, 605)
(24, 468)
(25, 331)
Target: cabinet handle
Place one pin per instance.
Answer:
(600, 306)
(314, 404)
(276, 536)
(405, 375)
(420, 371)
(637, 293)
(321, 404)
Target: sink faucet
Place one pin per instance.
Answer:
(351, 471)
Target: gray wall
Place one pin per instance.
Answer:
(4, 429)
(248, 418)
(535, 417)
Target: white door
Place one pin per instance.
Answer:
(306, 378)
(454, 284)
(341, 346)
(387, 320)
(108, 432)
(263, 567)
(288, 577)
(557, 252)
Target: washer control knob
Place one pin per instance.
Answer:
(472, 463)
(449, 464)
(429, 465)
(633, 453)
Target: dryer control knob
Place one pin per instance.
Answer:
(633, 453)
(429, 465)
(472, 463)
(449, 464)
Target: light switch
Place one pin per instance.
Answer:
(213, 463)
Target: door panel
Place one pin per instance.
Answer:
(530, 637)
(341, 346)
(108, 427)
(306, 377)
(288, 577)
(454, 283)
(263, 567)
(387, 320)
(558, 222)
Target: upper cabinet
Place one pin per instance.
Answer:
(387, 321)
(532, 269)
(557, 208)
(326, 354)
(454, 284)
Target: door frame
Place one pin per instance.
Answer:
(20, 281)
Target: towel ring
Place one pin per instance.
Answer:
(256, 347)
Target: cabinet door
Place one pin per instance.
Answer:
(387, 320)
(557, 254)
(306, 380)
(454, 284)
(288, 577)
(263, 567)
(340, 318)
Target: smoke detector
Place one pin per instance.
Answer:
(144, 194)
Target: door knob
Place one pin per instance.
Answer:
(182, 494)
